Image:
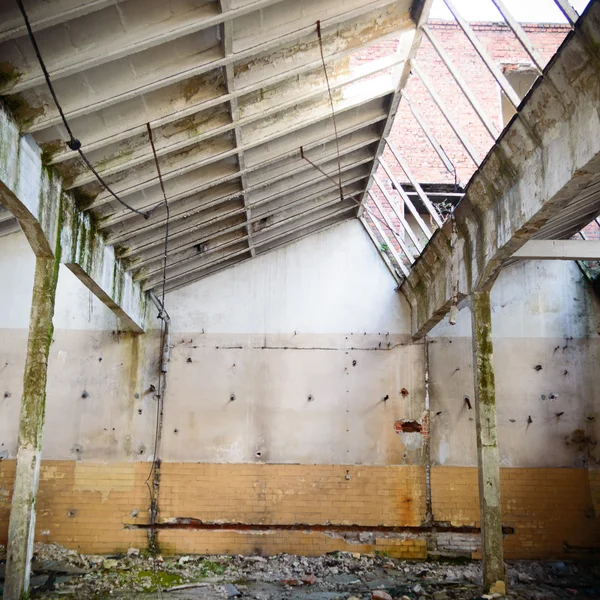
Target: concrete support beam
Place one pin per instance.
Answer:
(35, 196)
(529, 185)
(559, 250)
(488, 460)
(31, 423)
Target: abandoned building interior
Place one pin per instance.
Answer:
(303, 279)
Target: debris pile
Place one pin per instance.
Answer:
(61, 573)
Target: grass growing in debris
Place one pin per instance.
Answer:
(209, 567)
(153, 580)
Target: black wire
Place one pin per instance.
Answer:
(161, 377)
(332, 109)
(73, 143)
(162, 187)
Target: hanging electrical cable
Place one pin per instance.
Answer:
(337, 143)
(154, 473)
(73, 143)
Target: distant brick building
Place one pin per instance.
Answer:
(408, 137)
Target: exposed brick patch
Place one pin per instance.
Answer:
(407, 426)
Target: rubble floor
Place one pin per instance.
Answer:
(61, 573)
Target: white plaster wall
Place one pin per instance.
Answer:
(331, 282)
(318, 318)
(535, 299)
(87, 355)
(76, 308)
(544, 313)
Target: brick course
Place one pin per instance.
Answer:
(88, 507)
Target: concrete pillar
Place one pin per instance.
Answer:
(31, 422)
(487, 444)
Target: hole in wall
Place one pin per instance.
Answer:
(407, 426)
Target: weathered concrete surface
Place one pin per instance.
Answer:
(544, 314)
(31, 425)
(249, 88)
(542, 162)
(249, 316)
(267, 318)
(35, 196)
(487, 444)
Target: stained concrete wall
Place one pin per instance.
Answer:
(545, 327)
(312, 341)
(301, 358)
(95, 371)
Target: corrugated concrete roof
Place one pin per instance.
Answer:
(232, 90)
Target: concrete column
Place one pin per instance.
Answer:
(487, 444)
(22, 514)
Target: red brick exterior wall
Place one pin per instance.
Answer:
(406, 134)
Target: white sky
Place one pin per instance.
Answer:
(542, 11)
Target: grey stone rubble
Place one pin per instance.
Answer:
(61, 573)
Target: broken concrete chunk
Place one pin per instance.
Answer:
(498, 588)
(231, 590)
(133, 552)
(380, 595)
(109, 563)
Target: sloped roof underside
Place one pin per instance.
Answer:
(232, 90)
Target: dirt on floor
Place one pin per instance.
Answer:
(61, 573)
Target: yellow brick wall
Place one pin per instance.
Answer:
(87, 506)
(313, 494)
(594, 477)
(546, 507)
(83, 505)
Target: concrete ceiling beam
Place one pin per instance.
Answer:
(97, 89)
(200, 180)
(519, 191)
(287, 134)
(130, 120)
(195, 234)
(213, 123)
(186, 222)
(559, 250)
(53, 225)
(126, 30)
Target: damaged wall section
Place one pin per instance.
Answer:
(296, 405)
